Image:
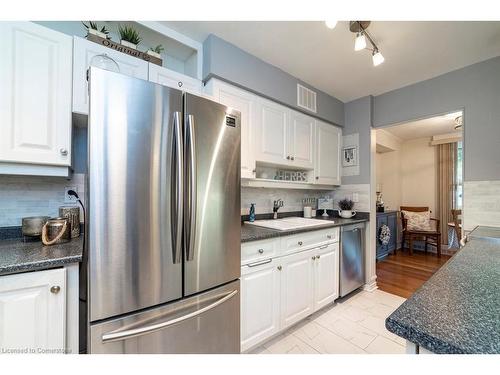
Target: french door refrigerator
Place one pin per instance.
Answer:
(163, 220)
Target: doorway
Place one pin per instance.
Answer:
(419, 187)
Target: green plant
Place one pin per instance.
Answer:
(346, 204)
(158, 49)
(93, 25)
(129, 34)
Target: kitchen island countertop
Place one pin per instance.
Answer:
(458, 309)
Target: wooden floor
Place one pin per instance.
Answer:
(402, 274)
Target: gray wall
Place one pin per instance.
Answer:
(476, 89)
(230, 63)
(358, 119)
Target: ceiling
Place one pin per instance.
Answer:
(425, 128)
(324, 58)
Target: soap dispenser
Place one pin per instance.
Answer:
(252, 212)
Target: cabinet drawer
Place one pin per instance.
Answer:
(258, 250)
(307, 240)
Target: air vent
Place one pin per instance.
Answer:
(306, 98)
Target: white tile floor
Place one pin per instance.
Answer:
(355, 324)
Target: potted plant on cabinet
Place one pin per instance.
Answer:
(93, 28)
(156, 51)
(129, 37)
(346, 208)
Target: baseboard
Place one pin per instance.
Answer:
(371, 285)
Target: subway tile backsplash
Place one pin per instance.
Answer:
(22, 196)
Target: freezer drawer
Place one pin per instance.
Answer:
(206, 323)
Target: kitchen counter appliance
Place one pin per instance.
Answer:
(163, 220)
(352, 258)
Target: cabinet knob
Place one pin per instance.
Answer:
(63, 151)
(179, 84)
(292, 158)
(254, 171)
(313, 258)
(300, 243)
(55, 289)
(280, 268)
(288, 157)
(317, 177)
(318, 256)
(261, 251)
(329, 236)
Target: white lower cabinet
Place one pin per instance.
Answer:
(326, 282)
(285, 288)
(33, 311)
(260, 303)
(296, 287)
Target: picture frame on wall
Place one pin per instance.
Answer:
(350, 156)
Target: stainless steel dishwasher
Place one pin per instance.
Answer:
(352, 258)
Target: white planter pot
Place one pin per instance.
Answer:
(128, 44)
(98, 33)
(154, 54)
(346, 214)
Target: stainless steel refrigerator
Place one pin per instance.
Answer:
(163, 220)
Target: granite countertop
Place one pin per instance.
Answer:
(485, 232)
(251, 232)
(457, 309)
(18, 256)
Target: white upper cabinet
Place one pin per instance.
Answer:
(84, 51)
(328, 146)
(33, 310)
(244, 102)
(35, 95)
(272, 144)
(301, 146)
(326, 276)
(167, 77)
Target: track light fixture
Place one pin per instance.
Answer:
(359, 28)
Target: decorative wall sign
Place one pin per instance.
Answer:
(349, 156)
(384, 234)
(124, 49)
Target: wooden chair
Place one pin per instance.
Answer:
(431, 237)
(457, 222)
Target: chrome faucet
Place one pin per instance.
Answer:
(276, 206)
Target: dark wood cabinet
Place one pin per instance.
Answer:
(389, 219)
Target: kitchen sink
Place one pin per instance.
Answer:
(289, 223)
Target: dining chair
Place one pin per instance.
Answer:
(431, 237)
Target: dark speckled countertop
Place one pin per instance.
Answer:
(251, 232)
(458, 309)
(18, 256)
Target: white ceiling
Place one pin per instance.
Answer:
(324, 58)
(425, 128)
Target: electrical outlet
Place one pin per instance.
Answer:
(355, 197)
(69, 198)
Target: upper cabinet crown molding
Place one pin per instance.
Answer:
(35, 115)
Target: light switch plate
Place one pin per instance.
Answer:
(69, 198)
(355, 197)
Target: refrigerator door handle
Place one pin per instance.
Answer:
(190, 226)
(177, 186)
(123, 335)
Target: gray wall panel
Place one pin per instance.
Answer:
(230, 63)
(476, 89)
